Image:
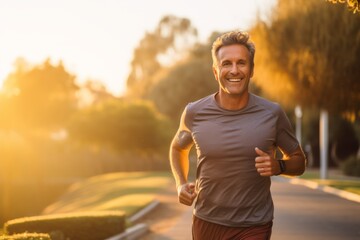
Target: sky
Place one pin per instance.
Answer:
(95, 39)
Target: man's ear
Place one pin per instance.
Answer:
(215, 72)
(252, 71)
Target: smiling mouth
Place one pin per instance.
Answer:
(234, 79)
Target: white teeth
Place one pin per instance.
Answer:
(234, 79)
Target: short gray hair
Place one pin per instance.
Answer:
(231, 38)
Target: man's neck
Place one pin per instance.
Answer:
(232, 102)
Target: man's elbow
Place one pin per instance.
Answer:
(301, 171)
(301, 166)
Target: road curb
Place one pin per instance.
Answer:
(138, 230)
(137, 216)
(132, 233)
(314, 185)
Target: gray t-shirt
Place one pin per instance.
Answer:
(230, 190)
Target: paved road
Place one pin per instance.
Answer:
(304, 213)
(300, 213)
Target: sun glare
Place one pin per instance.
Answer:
(95, 39)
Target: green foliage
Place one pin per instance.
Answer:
(343, 139)
(27, 236)
(124, 126)
(317, 60)
(44, 95)
(345, 142)
(158, 48)
(351, 166)
(353, 5)
(182, 84)
(79, 226)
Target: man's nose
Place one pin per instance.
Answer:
(234, 68)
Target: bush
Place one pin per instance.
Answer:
(79, 226)
(351, 166)
(27, 236)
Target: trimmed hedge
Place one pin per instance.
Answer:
(351, 166)
(71, 226)
(27, 236)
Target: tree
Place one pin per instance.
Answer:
(313, 49)
(353, 5)
(184, 82)
(157, 49)
(34, 99)
(93, 92)
(42, 96)
(310, 51)
(123, 126)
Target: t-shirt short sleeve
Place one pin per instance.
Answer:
(285, 138)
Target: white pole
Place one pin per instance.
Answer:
(324, 143)
(298, 114)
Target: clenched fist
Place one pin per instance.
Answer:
(186, 193)
(265, 164)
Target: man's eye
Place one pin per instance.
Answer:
(226, 64)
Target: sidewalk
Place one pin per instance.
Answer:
(333, 174)
(170, 220)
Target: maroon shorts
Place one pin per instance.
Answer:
(203, 230)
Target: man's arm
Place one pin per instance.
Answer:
(179, 161)
(294, 162)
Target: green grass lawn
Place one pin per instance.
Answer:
(128, 192)
(334, 180)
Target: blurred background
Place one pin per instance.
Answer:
(93, 87)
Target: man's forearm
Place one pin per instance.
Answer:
(179, 156)
(295, 163)
(179, 165)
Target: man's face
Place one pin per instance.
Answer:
(233, 69)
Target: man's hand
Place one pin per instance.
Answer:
(186, 193)
(265, 164)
